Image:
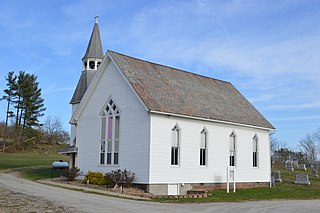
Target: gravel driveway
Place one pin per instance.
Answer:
(20, 195)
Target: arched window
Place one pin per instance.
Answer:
(255, 151)
(175, 147)
(110, 129)
(232, 155)
(203, 147)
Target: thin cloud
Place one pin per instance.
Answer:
(298, 118)
(53, 88)
(296, 106)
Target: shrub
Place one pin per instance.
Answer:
(118, 176)
(128, 177)
(109, 179)
(71, 174)
(96, 178)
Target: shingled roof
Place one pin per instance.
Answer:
(80, 89)
(169, 90)
(94, 49)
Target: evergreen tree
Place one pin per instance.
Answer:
(32, 102)
(9, 95)
(24, 94)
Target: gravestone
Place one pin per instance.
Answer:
(303, 167)
(273, 182)
(289, 166)
(302, 179)
(296, 164)
(314, 172)
(277, 176)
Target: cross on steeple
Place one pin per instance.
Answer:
(96, 19)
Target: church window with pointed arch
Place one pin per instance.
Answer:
(110, 129)
(232, 155)
(203, 147)
(175, 147)
(255, 151)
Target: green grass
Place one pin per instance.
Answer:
(30, 165)
(285, 190)
(18, 160)
(38, 166)
(39, 173)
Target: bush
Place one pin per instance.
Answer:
(109, 179)
(71, 174)
(118, 176)
(96, 178)
(124, 178)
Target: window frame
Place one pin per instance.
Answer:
(110, 113)
(255, 152)
(175, 146)
(233, 152)
(204, 150)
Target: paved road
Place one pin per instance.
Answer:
(36, 197)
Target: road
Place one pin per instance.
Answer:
(20, 195)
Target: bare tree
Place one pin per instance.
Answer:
(275, 144)
(310, 147)
(54, 131)
(317, 137)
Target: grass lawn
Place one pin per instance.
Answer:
(38, 166)
(32, 166)
(285, 190)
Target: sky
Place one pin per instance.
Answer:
(269, 49)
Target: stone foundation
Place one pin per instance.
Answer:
(239, 185)
(162, 189)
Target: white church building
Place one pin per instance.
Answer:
(174, 129)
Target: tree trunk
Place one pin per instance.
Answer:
(7, 118)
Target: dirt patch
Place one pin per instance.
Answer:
(16, 202)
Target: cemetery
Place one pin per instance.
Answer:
(289, 181)
(302, 179)
(299, 177)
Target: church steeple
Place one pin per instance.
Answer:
(90, 61)
(94, 54)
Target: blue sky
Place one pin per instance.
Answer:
(269, 50)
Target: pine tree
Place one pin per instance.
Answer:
(9, 95)
(24, 94)
(32, 102)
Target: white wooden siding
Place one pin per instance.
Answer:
(134, 127)
(189, 170)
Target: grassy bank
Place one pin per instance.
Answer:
(285, 190)
(30, 165)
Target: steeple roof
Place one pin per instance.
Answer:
(94, 49)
